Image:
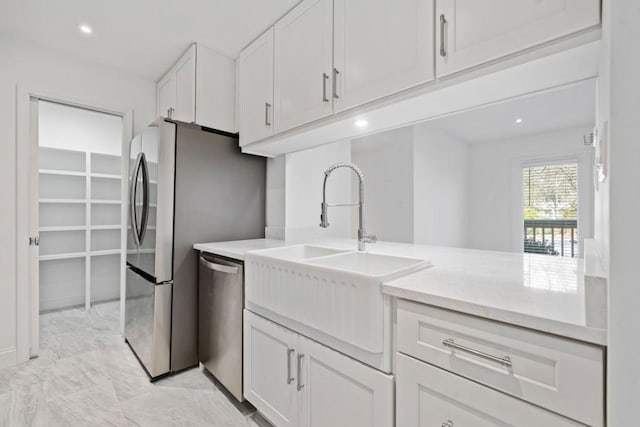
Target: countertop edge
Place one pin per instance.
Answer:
(585, 334)
(222, 252)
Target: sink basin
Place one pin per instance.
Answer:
(384, 267)
(324, 293)
(299, 252)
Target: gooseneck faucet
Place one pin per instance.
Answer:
(363, 237)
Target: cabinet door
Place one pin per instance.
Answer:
(166, 93)
(427, 396)
(269, 369)
(339, 391)
(255, 69)
(381, 47)
(186, 87)
(470, 32)
(303, 64)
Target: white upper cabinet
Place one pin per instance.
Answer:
(381, 47)
(185, 71)
(303, 64)
(471, 32)
(255, 71)
(200, 89)
(166, 94)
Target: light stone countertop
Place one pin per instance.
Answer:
(538, 292)
(237, 248)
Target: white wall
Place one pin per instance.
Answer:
(303, 192)
(440, 187)
(495, 200)
(619, 90)
(276, 198)
(61, 126)
(66, 77)
(386, 160)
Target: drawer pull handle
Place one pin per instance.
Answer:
(443, 23)
(289, 354)
(267, 107)
(504, 361)
(447, 423)
(299, 386)
(325, 77)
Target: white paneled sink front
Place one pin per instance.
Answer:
(331, 295)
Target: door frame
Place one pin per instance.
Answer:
(584, 160)
(27, 286)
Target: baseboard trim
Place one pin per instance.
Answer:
(7, 357)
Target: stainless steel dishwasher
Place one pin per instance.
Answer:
(221, 300)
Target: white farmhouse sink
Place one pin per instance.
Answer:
(336, 293)
(383, 267)
(299, 252)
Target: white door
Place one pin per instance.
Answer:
(270, 370)
(166, 93)
(471, 32)
(303, 64)
(255, 65)
(34, 230)
(186, 87)
(338, 391)
(427, 396)
(381, 47)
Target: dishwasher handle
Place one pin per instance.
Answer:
(218, 267)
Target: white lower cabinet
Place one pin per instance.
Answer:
(427, 396)
(269, 364)
(294, 381)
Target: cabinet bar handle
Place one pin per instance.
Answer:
(300, 385)
(325, 77)
(267, 107)
(443, 22)
(289, 377)
(504, 361)
(335, 82)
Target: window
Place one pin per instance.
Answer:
(550, 194)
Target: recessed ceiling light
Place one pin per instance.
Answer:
(361, 123)
(84, 28)
(518, 120)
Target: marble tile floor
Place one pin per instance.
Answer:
(87, 376)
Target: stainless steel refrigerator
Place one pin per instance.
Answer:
(187, 184)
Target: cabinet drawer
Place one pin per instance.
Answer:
(427, 396)
(559, 374)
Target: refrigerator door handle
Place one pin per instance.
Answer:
(145, 198)
(218, 267)
(132, 199)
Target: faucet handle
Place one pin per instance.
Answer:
(369, 238)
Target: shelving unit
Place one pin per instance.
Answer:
(80, 229)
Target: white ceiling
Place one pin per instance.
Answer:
(143, 37)
(569, 106)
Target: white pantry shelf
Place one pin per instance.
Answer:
(65, 201)
(106, 252)
(80, 217)
(70, 255)
(106, 176)
(64, 228)
(106, 202)
(61, 172)
(106, 227)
